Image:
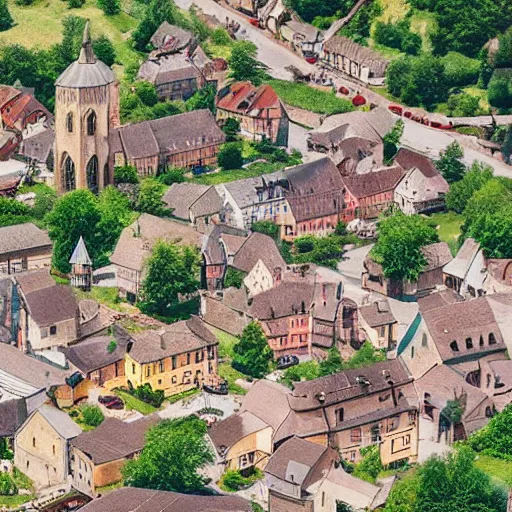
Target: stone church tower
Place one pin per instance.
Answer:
(86, 110)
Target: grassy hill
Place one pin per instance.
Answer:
(40, 25)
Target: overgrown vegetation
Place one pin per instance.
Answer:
(233, 481)
(252, 355)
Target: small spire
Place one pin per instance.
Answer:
(86, 53)
(80, 255)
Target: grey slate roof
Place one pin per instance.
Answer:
(23, 237)
(181, 196)
(167, 32)
(49, 306)
(80, 255)
(34, 280)
(460, 265)
(258, 247)
(60, 421)
(12, 414)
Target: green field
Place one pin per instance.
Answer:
(253, 170)
(499, 470)
(40, 26)
(226, 343)
(133, 403)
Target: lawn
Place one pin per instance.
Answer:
(184, 395)
(134, 404)
(500, 470)
(39, 25)
(109, 296)
(424, 24)
(449, 225)
(226, 343)
(228, 373)
(15, 501)
(256, 169)
(309, 98)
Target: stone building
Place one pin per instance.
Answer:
(41, 446)
(86, 109)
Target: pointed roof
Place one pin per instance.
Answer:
(80, 255)
(87, 71)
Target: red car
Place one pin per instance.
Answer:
(396, 109)
(111, 402)
(311, 60)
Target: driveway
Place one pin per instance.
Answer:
(227, 404)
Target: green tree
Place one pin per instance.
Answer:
(104, 50)
(461, 191)
(332, 364)
(234, 278)
(171, 273)
(146, 92)
(230, 156)
(231, 129)
(455, 483)
(149, 199)
(495, 439)
(174, 453)
(92, 415)
(74, 214)
(499, 92)
(450, 163)
(6, 21)
(397, 75)
(503, 57)
(110, 7)
(75, 4)
(266, 227)
(44, 202)
(460, 70)
(8, 486)
(464, 105)
(243, 64)
(402, 497)
(12, 207)
(156, 13)
(173, 175)
(252, 355)
(126, 174)
(204, 98)
(392, 140)
(398, 246)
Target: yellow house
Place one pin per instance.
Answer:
(175, 359)
(41, 446)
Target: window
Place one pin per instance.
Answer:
(352, 456)
(133, 368)
(69, 122)
(148, 371)
(161, 366)
(375, 434)
(488, 412)
(424, 340)
(488, 380)
(412, 352)
(340, 414)
(481, 341)
(174, 379)
(159, 382)
(454, 346)
(92, 174)
(53, 449)
(33, 442)
(53, 330)
(492, 339)
(69, 175)
(188, 358)
(106, 175)
(382, 331)
(355, 435)
(174, 362)
(393, 423)
(91, 123)
(44, 332)
(323, 499)
(469, 343)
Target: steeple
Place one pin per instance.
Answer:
(86, 53)
(80, 255)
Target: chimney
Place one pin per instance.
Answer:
(161, 333)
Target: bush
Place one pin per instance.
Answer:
(110, 7)
(500, 89)
(172, 175)
(104, 50)
(370, 466)
(232, 480)
(7, 485)
(234, 278)
(146, 394)
(266, 227)
(92, 415)
(399, 36)
(75, 4)
(220, 37)
(460, 70)
(13, 207)
(464, 105)
(230, 156)
(126, 174)
(146, 92)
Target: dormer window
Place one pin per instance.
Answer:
(469, 343)
(454, 346)
(492, 338)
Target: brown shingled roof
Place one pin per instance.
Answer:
(258, 247)
(378, 313)
(34, 280)
(22, 237)
(376, 182)
(48, 306)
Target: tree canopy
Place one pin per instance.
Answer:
(398, 246)
(149, 199)
(171, 275)
(450, 163)
(174, 452)
(243, 64)
(252, 355)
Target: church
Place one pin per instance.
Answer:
(89, 140)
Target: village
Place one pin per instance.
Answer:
(242, 270)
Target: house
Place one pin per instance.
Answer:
(354, 139)
(176, 75)
(41, 446)
(98, 362)
(177, 358)
(221, 244)
(49, 314)
(422, 188)
(498, 277)
(171, 38)
(23, 377)
(260, 111)
(128, 499)
(303, 473)
(326, 313)
(466, 272)
(437, 256)
(198, 204)
(195, 143)
(226, 311)
(284, 312)
(452, 331)
(37, 147)
(97, 456)
(354, 60)
(135, 244)
(379, 323)
(366, 196)
(439, 428)
(315, 196)
(304, 39)
(254, 199)
(13, 413)
(260, 259)
(24, 247)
